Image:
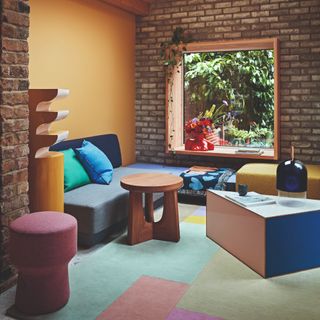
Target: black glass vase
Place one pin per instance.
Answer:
(292, 179)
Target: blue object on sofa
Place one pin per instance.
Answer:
(108, 143)
(95, 162)
(102, 209)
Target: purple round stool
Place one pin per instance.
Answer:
(41, 245)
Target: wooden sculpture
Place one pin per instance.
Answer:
(45, 167)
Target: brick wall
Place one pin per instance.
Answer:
(13, 123)
(295, 23)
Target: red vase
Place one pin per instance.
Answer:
(198, 144)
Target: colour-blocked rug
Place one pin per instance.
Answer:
(228, 289)
(101, 278)
(152, 298)
(209, 283)
(182, 314)
(198, 216)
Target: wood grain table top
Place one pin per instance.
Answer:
(151, 182)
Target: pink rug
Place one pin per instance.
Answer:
(147, 299)
(181, 314)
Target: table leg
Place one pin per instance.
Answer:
(149, 207)
(168, 227)
(138, 229)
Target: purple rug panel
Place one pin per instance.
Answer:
(201, 212)
(181, 314)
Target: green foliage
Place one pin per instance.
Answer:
(179, 35)
(214, 113)
(243, 78)
(240, 134)
(172, 50)
(256, 135)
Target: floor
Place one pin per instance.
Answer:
(218, 286)
(7, 298)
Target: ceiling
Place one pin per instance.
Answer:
(137, 7)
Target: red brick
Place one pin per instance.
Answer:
(13, 123)
(241, 3)
(273, 6)
(241, 15)
(16, 18)
(14, 98)
(223, 5)
(299, 10)
(289, 4)
(15, 58)
(14, 45)
(231, 10)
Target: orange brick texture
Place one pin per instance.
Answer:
(295, 23)
(14, 124)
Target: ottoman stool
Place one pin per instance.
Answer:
(197, 180)
(261, 178)
(40, 245)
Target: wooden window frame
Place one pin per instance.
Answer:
(175, 103)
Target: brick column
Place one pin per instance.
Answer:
(14, 123)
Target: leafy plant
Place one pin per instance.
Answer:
(244, 78)
(216, 114)
(240, 134)
(172, 50)
(263, 132)
(171, 55)
(255, 135)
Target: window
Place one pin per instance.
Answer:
(234, 83)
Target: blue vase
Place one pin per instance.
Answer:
(292, 179)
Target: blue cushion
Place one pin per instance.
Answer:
(95, 162)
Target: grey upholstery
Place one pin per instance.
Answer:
(100, 209)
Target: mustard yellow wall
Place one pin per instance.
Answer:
(87, 47)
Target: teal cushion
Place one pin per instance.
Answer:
(74, 174)
(97, 164)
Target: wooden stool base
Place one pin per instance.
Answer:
(142, 227)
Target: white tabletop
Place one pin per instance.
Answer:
(293, 205)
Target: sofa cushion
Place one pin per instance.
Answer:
(74, 174)
(97, 207)
(158, 168)
(95, 162)
(108, 143)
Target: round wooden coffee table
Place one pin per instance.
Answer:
(141, 225)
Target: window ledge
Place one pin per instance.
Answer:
(227, 152)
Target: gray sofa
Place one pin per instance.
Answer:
(102, 209)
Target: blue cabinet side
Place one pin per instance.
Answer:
(292, 243)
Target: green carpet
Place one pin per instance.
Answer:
(101, 278)
(220, 285)
(227, 288)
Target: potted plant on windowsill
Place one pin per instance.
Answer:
(197, 129)
(218, 115)
(201, 131)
